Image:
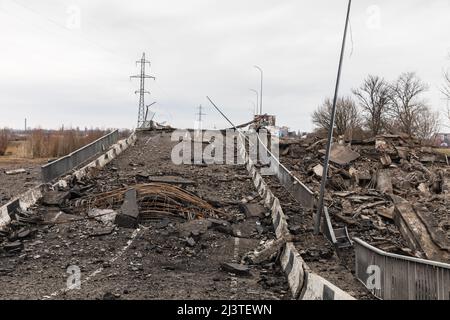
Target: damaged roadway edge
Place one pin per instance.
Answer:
(304, 284)
(170, 253)
(30, 197)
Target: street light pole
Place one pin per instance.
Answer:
(255, 108)
(257, 97)
(330, 130)
(261, 90)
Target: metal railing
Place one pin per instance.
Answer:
(292, 184)
(394, 277)
(63, 165)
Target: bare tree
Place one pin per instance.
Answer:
(374, 97)
(405, 102)
(446, 86)
(427, 124)
(347, 116)
(446, 90)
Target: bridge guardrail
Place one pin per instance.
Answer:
(292, 184)
(64, 164)
(400, 277)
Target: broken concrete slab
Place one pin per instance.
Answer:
(102, 231)
(194, 228)
(238, 269)
(384, 182)
(385, 160)
(54, 198)
(171, 180)
(415, 231)
(343, 155)
(423, 188)
(318, 170)
(128, 216)
(221, 226)
(13, 246)
(107, 216)
(387, 213)
(253, 210)
(191, 242)
(14, 172)
(269, 250)
(58, 217)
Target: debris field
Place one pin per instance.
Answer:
(144, 228)
(389, 191)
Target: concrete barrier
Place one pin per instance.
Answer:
(304, 284)
(30, 197)
(64, 164)
(317, 288)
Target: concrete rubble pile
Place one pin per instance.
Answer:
(100, 209)
(380, 188)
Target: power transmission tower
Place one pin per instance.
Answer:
(142, 92)
(200, 114)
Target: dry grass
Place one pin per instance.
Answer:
(50, 144)
(444, 151)
(4, 139)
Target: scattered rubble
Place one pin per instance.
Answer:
(180, 250)
(238, 269)
(364, 176)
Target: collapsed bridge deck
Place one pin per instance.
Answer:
(166, 257)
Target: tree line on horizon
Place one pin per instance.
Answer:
(378, 106)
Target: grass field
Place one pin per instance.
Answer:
(444, 151)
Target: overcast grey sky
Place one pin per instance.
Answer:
(69, 61)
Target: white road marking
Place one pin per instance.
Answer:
(99, 270)
(234, 279)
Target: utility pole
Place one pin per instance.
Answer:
(330, 130)
(142, 92)
(25, 124)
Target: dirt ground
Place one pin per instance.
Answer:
(154, 261)
(13, 185)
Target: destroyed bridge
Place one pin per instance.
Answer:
(118, 219)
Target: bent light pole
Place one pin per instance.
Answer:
(323, 184)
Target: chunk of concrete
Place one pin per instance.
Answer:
(238, 269)
(342, 155)
(387, 213)
(128, 216)
(193, 228)
(14, 172)
(384, 182)
(386, 160)
(171, 180)
(318, 170)
(13, 246)
(107, 216)
(221, 226)
(252, 210)
(267, 252)
(54, 198)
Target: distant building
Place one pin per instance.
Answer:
(442, 140)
